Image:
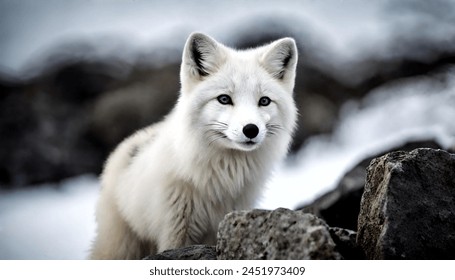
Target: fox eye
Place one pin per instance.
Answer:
(264, 101)
(225, 99)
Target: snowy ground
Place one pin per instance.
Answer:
(51, 223)
(46, 223)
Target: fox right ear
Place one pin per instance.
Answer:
(202, 56)
(281, 59)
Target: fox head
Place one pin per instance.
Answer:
(239, 99)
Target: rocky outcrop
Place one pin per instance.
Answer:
(407, 211)
(276, 235)
(340, 207)
(281, 234)
(408, 207)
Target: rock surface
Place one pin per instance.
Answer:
(195, 252)
(346, 243)
(274, 235)
(408, 207)
(340, 207)
(64, 122)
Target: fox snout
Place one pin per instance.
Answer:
(250, 130)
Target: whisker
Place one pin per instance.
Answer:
(274, 126)
(274, 129)
(216, 136)
(217, 123)
(215, 131)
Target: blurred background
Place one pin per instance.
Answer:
(77, 76)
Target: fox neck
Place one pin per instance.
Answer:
(216, 171)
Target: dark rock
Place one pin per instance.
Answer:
(346, 243)
(408, 207)
(45, 139)
(66, 120)
(274, 235)
(120, 112)
(340, 207)
(195, 252)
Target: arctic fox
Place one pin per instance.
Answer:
(170, 184)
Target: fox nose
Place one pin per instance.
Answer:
(250, 130)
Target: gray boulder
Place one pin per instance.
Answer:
(195, 252)
(274, 235)
(408, 206)
(340, 207)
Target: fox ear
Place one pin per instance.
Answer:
(280, 59)
(202, 56)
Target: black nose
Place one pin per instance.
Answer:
(250, 130)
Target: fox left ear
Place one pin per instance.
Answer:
(280, 59)
(202, 56)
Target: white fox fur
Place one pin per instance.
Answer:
(170, 184)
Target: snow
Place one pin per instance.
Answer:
(47, 222)
(57, 221)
